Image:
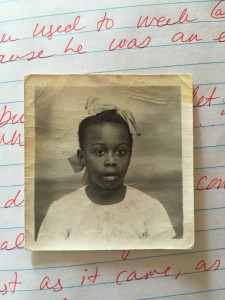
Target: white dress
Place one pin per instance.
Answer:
(74, 222)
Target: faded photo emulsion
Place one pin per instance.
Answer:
(108, 162)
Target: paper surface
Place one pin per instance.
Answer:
(115, 208)
(194, 45)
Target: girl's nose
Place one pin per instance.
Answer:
(110, 160)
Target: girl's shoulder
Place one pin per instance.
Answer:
(151, 209)
(135, 194)
(73, 198)
(138, 198)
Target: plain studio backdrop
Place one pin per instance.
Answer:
(156, 162)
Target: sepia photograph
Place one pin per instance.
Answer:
(109, 162)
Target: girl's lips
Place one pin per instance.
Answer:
(110, 177)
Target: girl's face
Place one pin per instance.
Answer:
(106, 154)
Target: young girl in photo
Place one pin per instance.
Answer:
(105, 213)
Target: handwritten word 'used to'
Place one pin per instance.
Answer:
(60, 29)
(107, 23)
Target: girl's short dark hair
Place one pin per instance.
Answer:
(100, 118)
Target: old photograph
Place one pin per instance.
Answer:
(109, 162)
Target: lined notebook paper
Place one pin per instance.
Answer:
(138, 37)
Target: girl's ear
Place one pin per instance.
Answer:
(77, 161)
(80, 155)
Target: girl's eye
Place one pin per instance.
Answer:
(100, 152)
(120, 152)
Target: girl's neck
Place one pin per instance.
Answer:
(105, 197)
